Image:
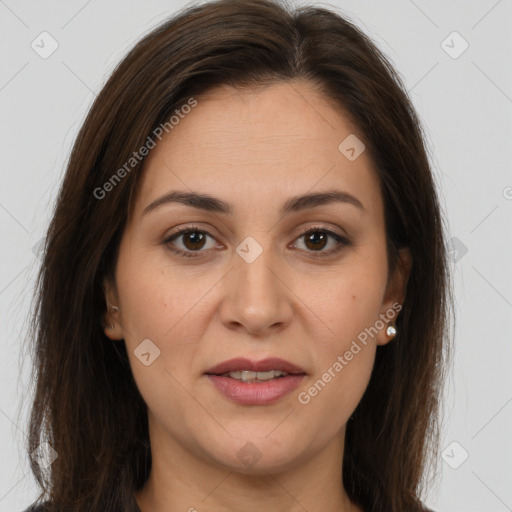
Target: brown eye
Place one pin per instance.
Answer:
(193, 240)
(316, 239)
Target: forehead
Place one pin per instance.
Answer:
(277, 117)
(266, 139)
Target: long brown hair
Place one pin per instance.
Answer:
(86, 404)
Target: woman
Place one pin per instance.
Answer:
(243, 299)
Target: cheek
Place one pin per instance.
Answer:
(163, 315)
(343, 361)
(348, 301)
(336, 392)
(159, 307)
(344, 355)
(156, 296)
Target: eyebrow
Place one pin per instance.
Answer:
(294, 204)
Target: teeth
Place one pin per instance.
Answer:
(246, 376)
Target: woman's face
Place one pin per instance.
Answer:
(249, 283)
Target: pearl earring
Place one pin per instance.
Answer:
(391, 329)
(115, 309)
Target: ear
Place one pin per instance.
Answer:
(111, 321)
(395, 293)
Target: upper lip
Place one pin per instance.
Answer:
(265, 365)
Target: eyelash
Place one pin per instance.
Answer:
(342, 241)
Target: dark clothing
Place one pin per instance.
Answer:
(133, 507)
(46, 507)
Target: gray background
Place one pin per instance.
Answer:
(465, 104)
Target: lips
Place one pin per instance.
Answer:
(265, 365)
(255, 392)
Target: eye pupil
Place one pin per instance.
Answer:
(199, 238)
(314, 237)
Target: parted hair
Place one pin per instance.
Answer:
(86, 404)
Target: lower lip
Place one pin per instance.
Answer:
(256, 393)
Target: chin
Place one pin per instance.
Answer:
(258, 456)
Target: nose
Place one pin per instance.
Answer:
(257, 298)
